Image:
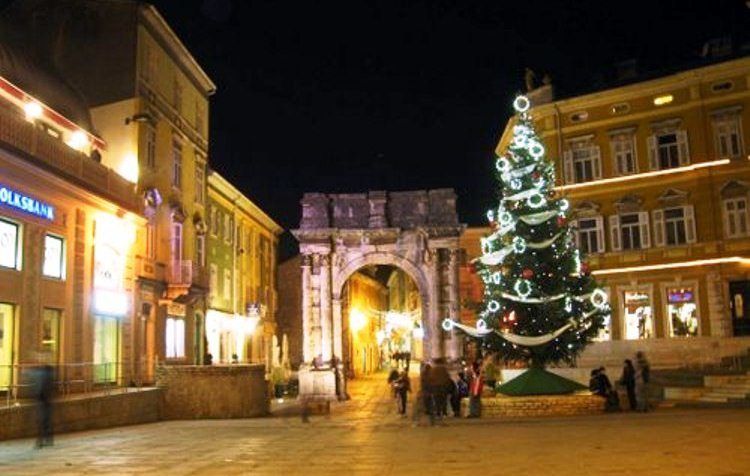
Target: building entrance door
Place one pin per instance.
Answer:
(6, 345)
(740, 305)
(106, 349)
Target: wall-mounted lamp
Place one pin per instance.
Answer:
(140, 117)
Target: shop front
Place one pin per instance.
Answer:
(112, 303)
(230, 336)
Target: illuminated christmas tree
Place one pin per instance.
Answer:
(541, 305)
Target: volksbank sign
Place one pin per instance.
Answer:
(11, 198)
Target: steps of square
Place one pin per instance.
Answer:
(715, 389)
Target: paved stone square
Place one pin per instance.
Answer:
(366, 436)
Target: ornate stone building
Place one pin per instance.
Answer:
(658, 177)
(416, 231)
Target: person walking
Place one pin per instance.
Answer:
(475, 391)
(422, 402)
(441, 383)
(403, 387)
(45, 389)
(642, 378)
(628, 381)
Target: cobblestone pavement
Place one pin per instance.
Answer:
(366, 436)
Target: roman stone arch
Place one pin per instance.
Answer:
(339, 234)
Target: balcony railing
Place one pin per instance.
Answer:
(186, 273)
(55, 155)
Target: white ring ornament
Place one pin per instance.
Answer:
(599, 298)
(447, 325)
(536, 200)
(502, 164)
(521, 104)
(493, 306)
(536, 150)
(522, 288)
(505, 218)
(519, 245)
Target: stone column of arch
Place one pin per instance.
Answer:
(307, 351)
(453, 342)
(324, 288)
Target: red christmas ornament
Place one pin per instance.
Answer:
(527, 273)
(535, 175)
(585, 268)
(561, 221)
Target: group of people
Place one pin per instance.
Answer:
(401, 358)
(439, 393)
(635, 380)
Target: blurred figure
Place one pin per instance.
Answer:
(475, 391)
(642, 378)
(44, 386)
(628, 381)
(423, 400)
(403, 387)
(441, 384)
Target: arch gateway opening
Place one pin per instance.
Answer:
(343, 237)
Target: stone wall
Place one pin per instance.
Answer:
(539, 406)
(85, 412)
(213, 391)
(289, 312)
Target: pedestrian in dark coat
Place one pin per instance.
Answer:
(45, 389)
(441, 382)
(403, 387)
(628, 381)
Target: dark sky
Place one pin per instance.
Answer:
(325, 96)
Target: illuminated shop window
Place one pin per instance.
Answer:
(51, 334)
(10, 246)
(175, 333)
(639, 321)
(682, 311)
(54, 257)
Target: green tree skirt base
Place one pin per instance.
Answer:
(536, 381)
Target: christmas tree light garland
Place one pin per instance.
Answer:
(530, 265)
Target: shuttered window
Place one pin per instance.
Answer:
(590, 234)
(630, 231)
(582, 162)
(674, 226)
(735, 217)
(668, 150)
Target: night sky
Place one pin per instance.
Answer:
(324, 96)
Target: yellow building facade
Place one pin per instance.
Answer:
(242, 243)
(364, 297)
(658, 175)
(149, 102)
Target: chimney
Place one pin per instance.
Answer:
(626, 69)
